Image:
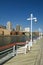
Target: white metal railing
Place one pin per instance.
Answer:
(5, 50)
(9, 55)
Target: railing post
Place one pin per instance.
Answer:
(29, 45)
(13, 51)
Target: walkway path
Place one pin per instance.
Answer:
(33, 57)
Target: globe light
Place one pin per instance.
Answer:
(35, 20)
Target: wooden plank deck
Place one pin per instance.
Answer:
(26, 59)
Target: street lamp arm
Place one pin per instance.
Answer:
(29, 19)
(34, 18)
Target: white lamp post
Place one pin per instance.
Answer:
(31, 19)
(40, 33)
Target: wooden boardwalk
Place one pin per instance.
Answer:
(31, 58)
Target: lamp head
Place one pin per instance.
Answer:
(35, 20)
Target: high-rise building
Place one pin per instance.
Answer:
(18, 28)
(9, 26)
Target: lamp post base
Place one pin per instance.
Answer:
(30, 43)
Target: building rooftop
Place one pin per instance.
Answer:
(1, 26)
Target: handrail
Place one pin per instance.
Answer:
(20, 43)
(7, 46)
(5, 50)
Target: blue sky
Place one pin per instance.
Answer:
(17, 11)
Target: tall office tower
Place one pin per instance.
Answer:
(18, 28)
(9, 26)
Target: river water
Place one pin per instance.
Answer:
(4, 40)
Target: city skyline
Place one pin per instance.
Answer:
(17, 11)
